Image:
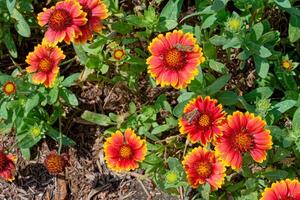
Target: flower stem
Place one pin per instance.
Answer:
(60, 135)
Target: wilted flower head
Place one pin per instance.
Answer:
(56, 163)
(7, 166)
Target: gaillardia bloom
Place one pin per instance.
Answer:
(202, 120)
(96, 11)
(243, 132)
(44, 61)
(7, 166)
(9, 88)
(55, 163)
(283, 190)
(63, 21)
(123, 152)
(202, 167)
(119, 54)
(174, 59)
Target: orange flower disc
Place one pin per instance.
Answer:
(43, 63)
(119, 54)
(174, 59)
(202, 120)
(202, 167)
(55, 163)
(124, 152)
(9, 88)
(63, 21)
(283, 190)
(243, 132)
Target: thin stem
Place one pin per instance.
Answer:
(60, 135)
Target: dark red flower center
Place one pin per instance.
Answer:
(204, 120)
(60, 19)
(45, 65)
(242, 141)
(174, 59)
(204, 169)
(3, 161)
(125, 151)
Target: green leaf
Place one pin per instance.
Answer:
(55, 135)
(228, 98)
(218, 84)
(68, 97)
(294, 28)
(97, 118)
(217, 66)
(284, 106)
(10, 5)
(233, 43)
(166, 25)
(21, 26)
(174, 163)
(208, 22)
(122, 27)
(132, 107)
(53, 94)
(70, 80)
(171, 10)
(218, 40)
(262, 66)
(275, 174)
(26, 140)
(10, 44)
(260, 93)
(283, 3)
(80, 53)
(296, 119)
(25, 153)
(178, 109)
(264, 52)
(31, 103)
(3, 110)
(258, 30)
(160, 129)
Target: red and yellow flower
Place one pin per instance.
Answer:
(9, 88)
(56, 163)
(124, 152)
(202, 167)
(63, 21)
(119, 54)
(7, 166)
(285, 190)
(202, 120)
(243, 132)
(174, 59)
(43, 62)
(96, 11)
